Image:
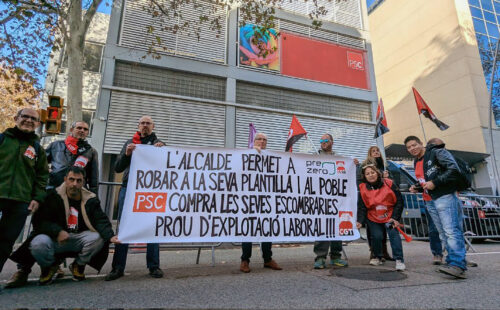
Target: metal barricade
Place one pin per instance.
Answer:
(481, 216)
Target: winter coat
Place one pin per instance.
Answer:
(441, 168)
(23, 172)
(61, 159)
(52, 216)
(123, 161)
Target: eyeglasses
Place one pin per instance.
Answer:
(145, 123)
(324, 140)
(261, 139)
(35, 119)
(82, 128)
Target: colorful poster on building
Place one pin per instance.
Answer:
(322, 61)
(259, 48)
(180, 194)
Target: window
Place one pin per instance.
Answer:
(489, 17)
(486, 4)
(492, 30)
(92, 55)
(479, 25)
(476, 12)
(482, 41)
(497, 7)
(474, 2)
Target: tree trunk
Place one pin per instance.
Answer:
(75, 45)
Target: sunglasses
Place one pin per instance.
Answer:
(24, 116)
(324, 141)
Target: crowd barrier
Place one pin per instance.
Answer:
(481, 216)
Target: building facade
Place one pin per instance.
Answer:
(204, 91)
(433, 46)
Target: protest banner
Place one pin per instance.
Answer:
(180, 194)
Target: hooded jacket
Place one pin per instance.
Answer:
(23, 172)
(61, 159)
(441, 168)
(52, 216)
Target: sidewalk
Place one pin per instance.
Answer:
(298, 286)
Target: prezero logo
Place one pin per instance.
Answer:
(355, 61)
(150, 202)
(319, 167)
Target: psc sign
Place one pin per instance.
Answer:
(150, 202)
(355, 61)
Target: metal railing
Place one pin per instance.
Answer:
(481, 216)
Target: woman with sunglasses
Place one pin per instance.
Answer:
(380, 205)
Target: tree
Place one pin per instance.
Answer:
(15, 93)
(31, 29)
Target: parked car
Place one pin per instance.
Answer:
(481, 215)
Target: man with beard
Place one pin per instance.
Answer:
(144, 135)
(70, 222)
(74, 151)
(23, 177)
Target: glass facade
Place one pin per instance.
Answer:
(486, 20)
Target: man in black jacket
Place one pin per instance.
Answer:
(74, 151)
(144, 135)
(438, 174)
(70, 222)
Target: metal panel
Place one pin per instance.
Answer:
(292, 100)
(345, 12)
(140, 30)
(350, 139)
(177, 122)
(162, 80)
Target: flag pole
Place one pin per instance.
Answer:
(314, 146)
(422, 125)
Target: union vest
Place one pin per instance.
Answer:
(379, 202)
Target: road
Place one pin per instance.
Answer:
(298, 286)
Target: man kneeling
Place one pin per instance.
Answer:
(70, 222)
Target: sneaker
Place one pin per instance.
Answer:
(47, 274)
(338, 262)
(156, 272)
(400, 266)
(437, 260)
(319, 263)
(453, 271)
(18, 279)
(375, 262)
(273, 265)
(471, 263)
(114, 274)
(77, 271)
(244, 266)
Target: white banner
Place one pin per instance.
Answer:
(225, 195)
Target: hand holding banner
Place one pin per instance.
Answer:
(220, 195)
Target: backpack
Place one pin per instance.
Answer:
(36, 146)
(465, 180)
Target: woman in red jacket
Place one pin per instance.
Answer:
(380, 205)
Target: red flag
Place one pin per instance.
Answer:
(295, 133)
(381, 127)
(424, 109)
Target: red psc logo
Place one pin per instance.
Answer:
(355, 61)
(150, 202)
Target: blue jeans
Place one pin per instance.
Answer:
(434, 241)
(377, 231)
(121, 250)
(447, 215)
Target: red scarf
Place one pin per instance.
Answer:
(71, 144)
(136, 139)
